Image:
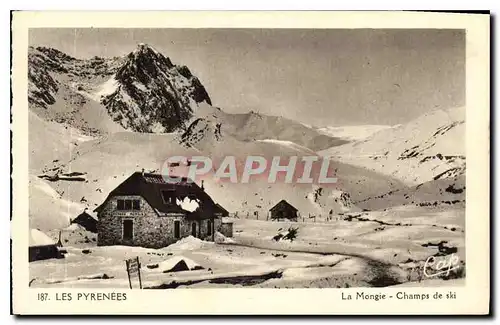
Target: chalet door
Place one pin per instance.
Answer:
(209, 227)
(177, 229)
(128, 229)
(193, 229)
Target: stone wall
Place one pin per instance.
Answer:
(150, 230)
(227, 229)
(218, 224)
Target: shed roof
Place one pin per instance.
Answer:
(86, 220)
(84, 216)
(38, 238)
(283, 204)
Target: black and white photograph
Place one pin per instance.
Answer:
(109, 107)
(242, 158)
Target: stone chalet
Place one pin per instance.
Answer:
(147, 211)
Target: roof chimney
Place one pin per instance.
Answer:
(142, 172)
(202, 187)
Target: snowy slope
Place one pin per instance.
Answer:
(254, 126)
(288, 144)
(427, 154)
(448, 191)
(49, 209)
(49, 141)
(353, 132)
(431, 146)
(103, 162)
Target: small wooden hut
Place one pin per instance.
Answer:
(87, 221)
(42, 247)
(283, 210)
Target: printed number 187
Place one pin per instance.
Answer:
(43, 296)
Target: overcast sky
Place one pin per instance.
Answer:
(319, 77)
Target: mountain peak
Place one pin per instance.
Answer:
(143, 45)
(154, 94)
(143, 48)
(143, 64)
(146, 57)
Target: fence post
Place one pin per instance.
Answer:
(139, 272)
(59, 242)
(128, 274)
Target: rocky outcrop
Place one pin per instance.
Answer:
(200, 130)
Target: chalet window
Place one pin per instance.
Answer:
(128, 229)
(168, 196)
(128, 205)
(209, 228)
(177, 229)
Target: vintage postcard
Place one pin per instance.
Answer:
(229, 163)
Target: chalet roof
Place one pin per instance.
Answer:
(150, 187)
(283, 204)
(220, 208)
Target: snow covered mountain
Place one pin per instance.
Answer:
(254, 126)
(429, 147)
(427, 154)
(353, 132)
(150, 94)
(143, 92)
